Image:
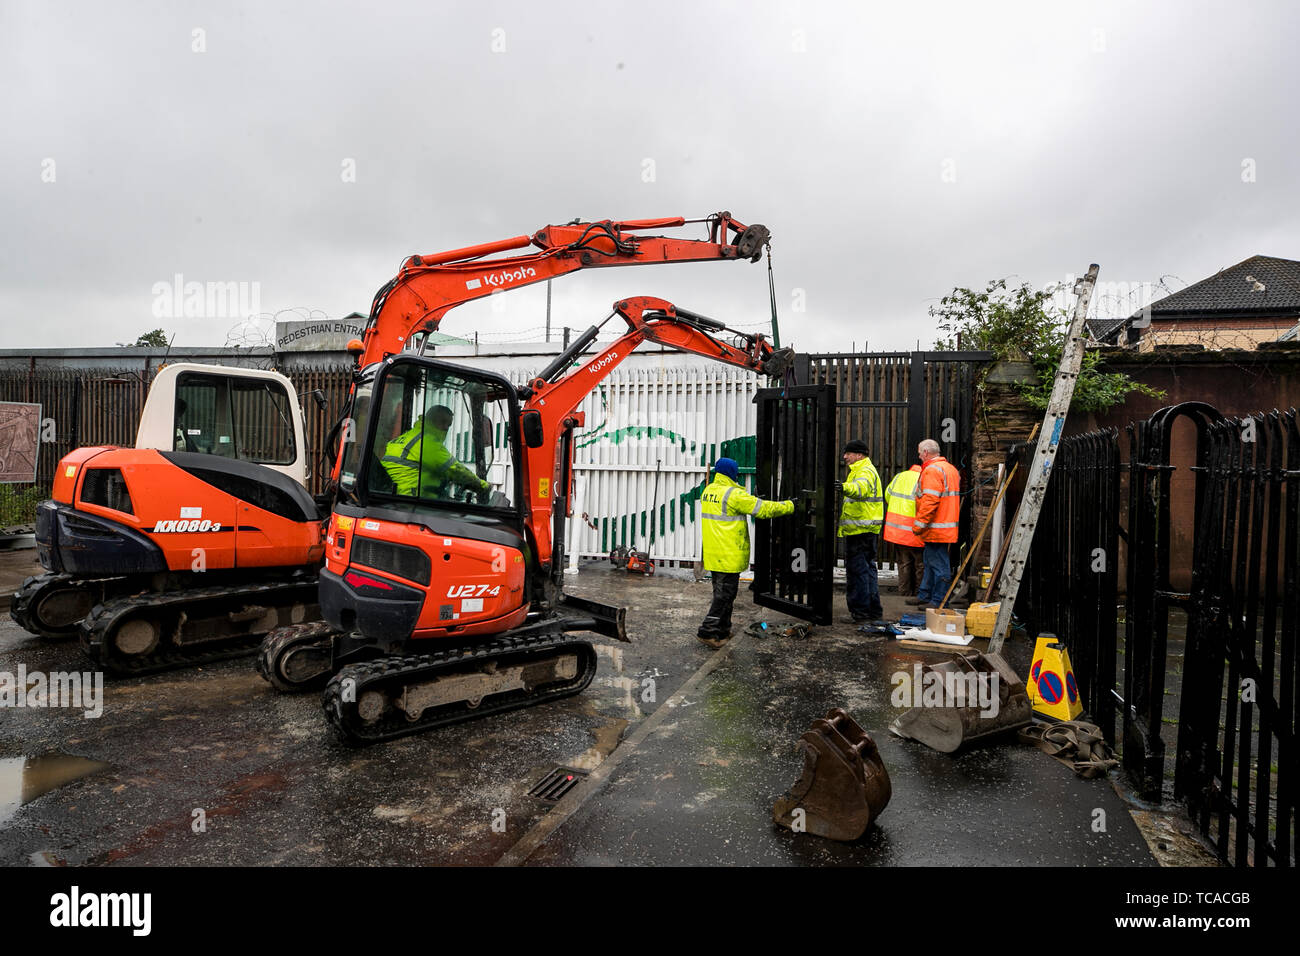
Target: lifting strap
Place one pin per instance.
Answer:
(1076, 743)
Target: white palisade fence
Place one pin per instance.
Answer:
(680, 412)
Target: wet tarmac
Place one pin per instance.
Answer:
(686, 749)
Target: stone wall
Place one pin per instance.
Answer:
(1002, 418)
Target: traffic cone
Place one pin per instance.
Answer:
(1053, 691)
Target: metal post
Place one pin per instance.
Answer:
(916, 405)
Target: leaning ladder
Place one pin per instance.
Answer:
(1044, 455)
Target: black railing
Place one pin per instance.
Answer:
(1209, 658)
(1152, 599)
(1070, 585)
(1235, 766)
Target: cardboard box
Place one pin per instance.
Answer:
(945, 622)
(980, 618)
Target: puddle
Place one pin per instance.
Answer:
(23, 779)
(608, 736)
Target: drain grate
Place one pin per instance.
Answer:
(557, 783)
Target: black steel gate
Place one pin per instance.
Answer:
(794, 558)
(1150, 592)
(892, 400)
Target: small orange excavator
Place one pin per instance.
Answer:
(442, 591)
(196, 543)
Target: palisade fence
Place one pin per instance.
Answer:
(674, 420)
(892, 400)
(659, 418)
(1202, 683)
(103, 406)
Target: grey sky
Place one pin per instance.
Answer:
(1113, 133)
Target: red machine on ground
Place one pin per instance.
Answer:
(443, 600)
(202, 539)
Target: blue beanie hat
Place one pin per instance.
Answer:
(728, 467)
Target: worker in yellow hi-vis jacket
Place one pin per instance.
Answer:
(724, 508)
(861, 517)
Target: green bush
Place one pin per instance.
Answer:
(18, 504)
(1020, 324)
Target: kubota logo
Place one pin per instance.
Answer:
(502, 278)
(597, 366)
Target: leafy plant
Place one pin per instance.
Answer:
(157, 338)
(1022, 325)
(18, 506)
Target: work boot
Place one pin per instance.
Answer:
(714, 640)
(914, 601)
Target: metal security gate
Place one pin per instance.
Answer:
(1151, 595)
(892, 400)
(794, 557)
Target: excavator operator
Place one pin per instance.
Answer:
(420, 464)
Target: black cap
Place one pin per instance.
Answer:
(857, 446)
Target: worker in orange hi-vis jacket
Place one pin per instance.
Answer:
(938, 504)
(900, 509)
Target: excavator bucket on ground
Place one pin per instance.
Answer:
(963, 699)
(844, 786)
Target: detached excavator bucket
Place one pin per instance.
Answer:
(844, 786)
(963, 699)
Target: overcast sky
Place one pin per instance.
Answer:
(895, 151)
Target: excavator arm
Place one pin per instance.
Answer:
(427, 287)
(549, 411)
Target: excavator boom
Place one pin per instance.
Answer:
(426, 288)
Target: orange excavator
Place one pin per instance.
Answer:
(441, 590)
(202, 539)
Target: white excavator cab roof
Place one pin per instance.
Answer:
(242, 413)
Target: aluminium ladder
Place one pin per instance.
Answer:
(1044, 456)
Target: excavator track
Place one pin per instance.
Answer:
(372, 702)
(52, 606)
(297, 657)
(159, 631)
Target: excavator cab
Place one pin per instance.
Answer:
(432, 567)
(426, 539)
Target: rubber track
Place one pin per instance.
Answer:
(351, 729)
(99, 624)
(25, 596)
(278, 639)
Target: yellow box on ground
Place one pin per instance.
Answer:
(1053, 691)
(980, 618)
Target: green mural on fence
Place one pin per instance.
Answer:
(633, 529)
